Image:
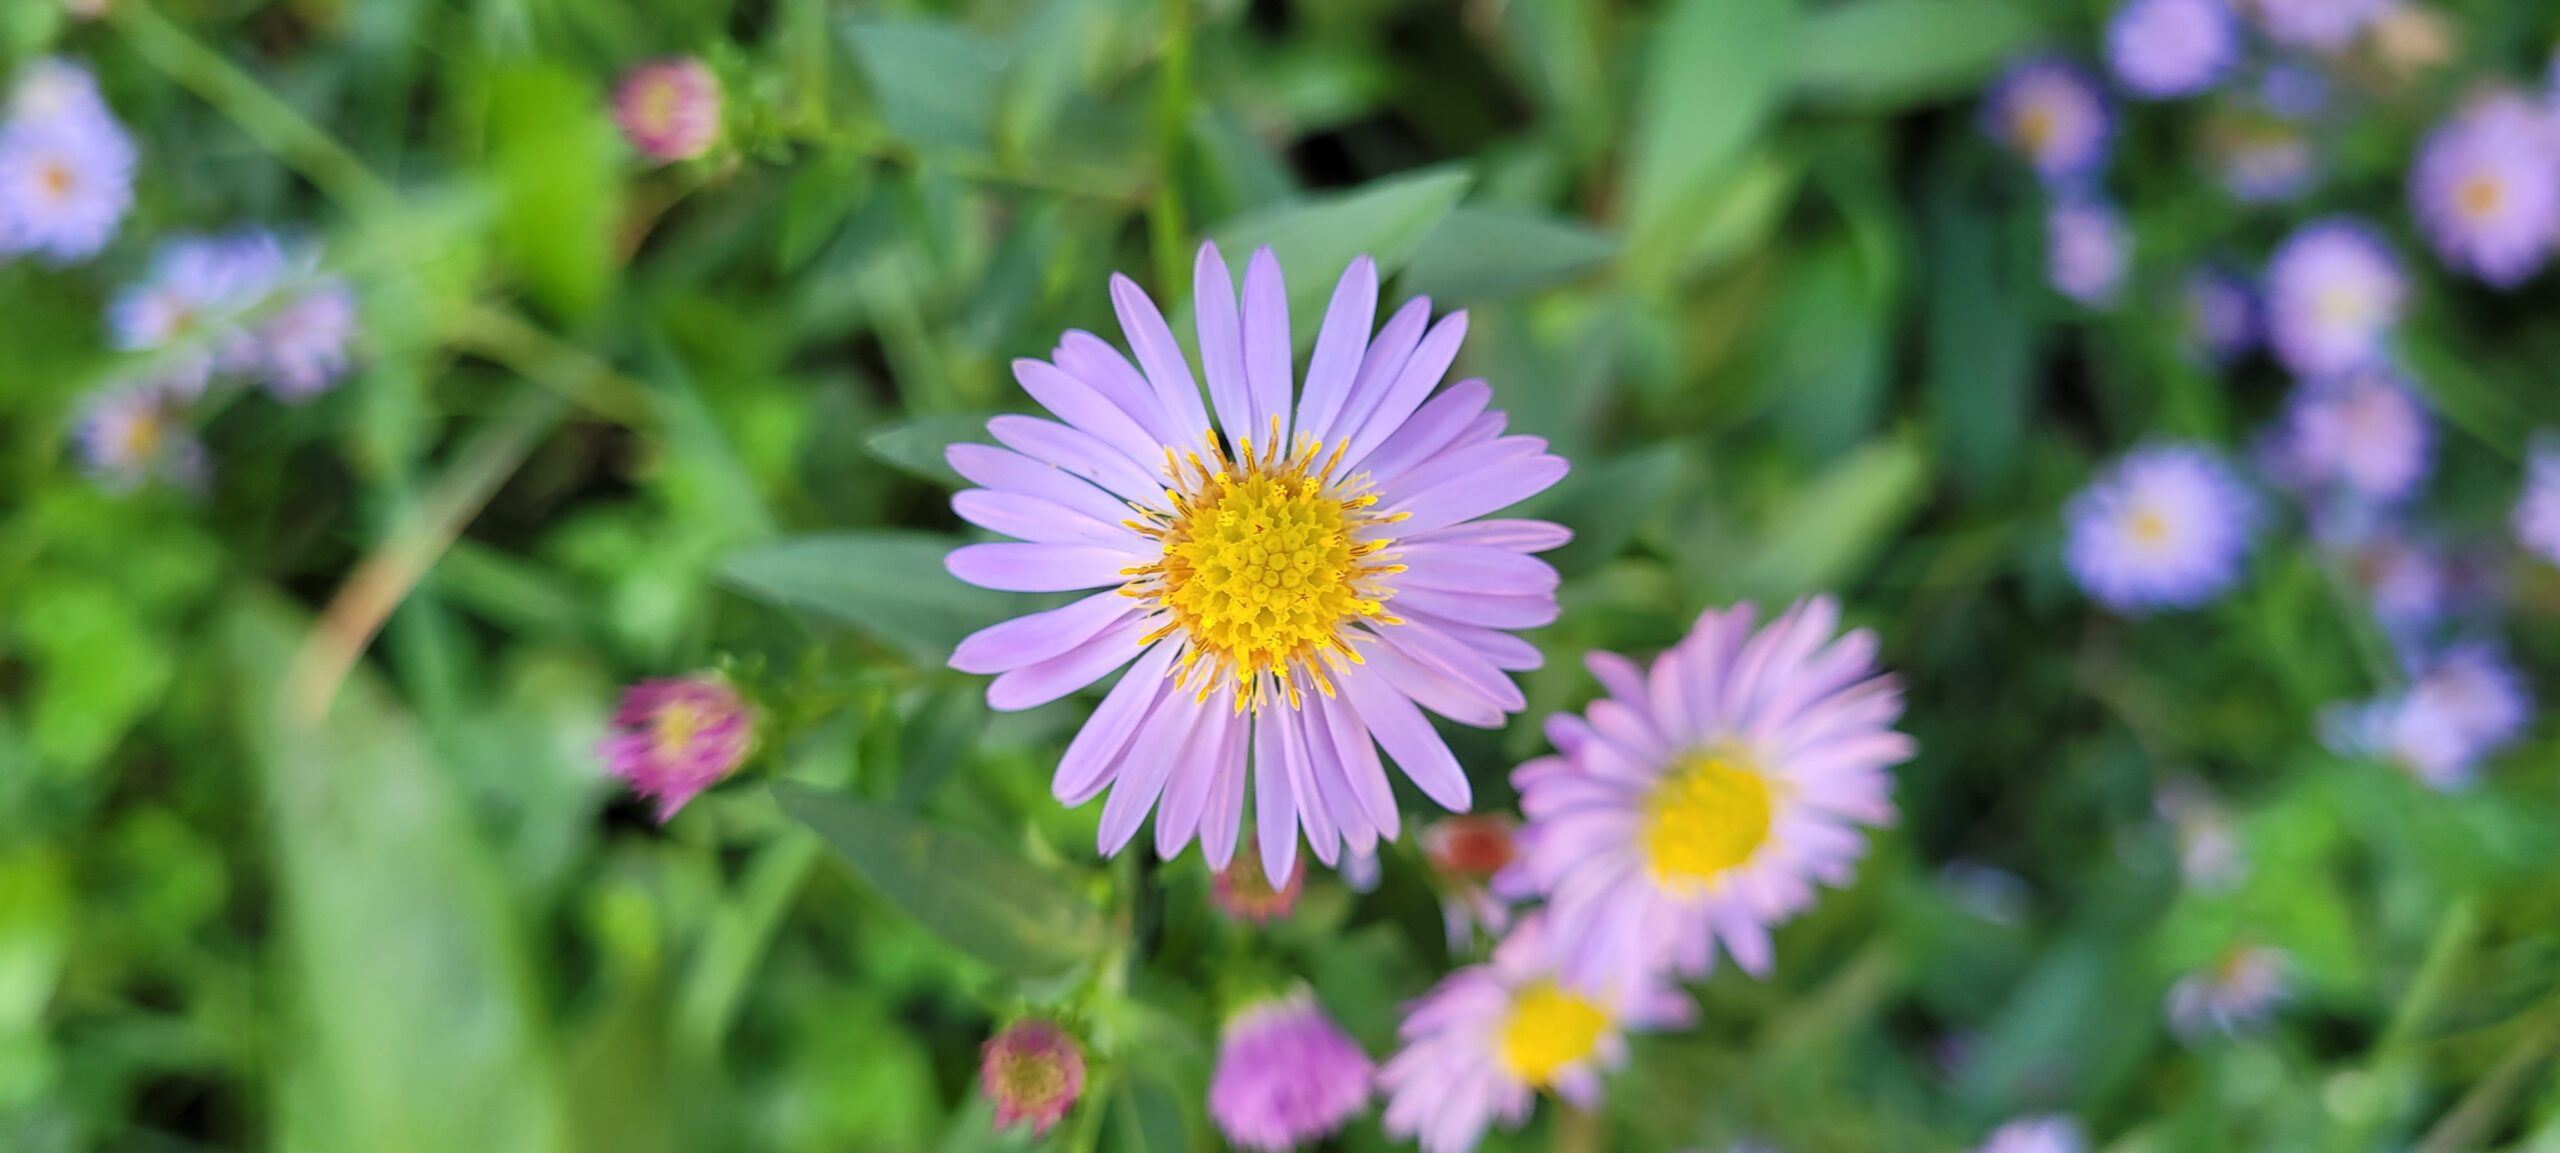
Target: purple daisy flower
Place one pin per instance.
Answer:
(132, 434)
(2363, 437)
(2334, 292)
(65, 186)
(2036, 1135)
(2318, 25)
(669, 109)
(1293, 596)
(2460, 709)
(2163, 49)
(2052, 116)
(2486, 189)
(2236, 995)
(2537, 515)
(1033, 1071)
(52, 90)
(1700, 804)
(1479, 1047)
(2086, 250)
(2164, 527)
(1286, 1076)
(2219, 316)
(671, 739)
(198, 296)
(300, 348)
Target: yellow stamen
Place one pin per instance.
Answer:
(1706, 818)
(1549, 1029)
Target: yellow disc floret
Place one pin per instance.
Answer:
(1706, 818)
(1264, 566)
(1549, 1028)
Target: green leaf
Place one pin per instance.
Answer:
(556, 159)
(1606, 501)
(1888, 53)
(937, 84)
(915, 445)
(1716, 75)
(1818, 537)
(1979, 341)
(1147, 1118)
(889, 584)
(1316, 239)
(411, 986)
(1492, 253)
(997, 908)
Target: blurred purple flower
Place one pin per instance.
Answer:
(300, 348)
(1362, 474)
(1033, 1072)
(2052, 116)
(132, 434)
(198, 297)
(671, 739)
(2460, 708)
(1286, 1076)
(2166, 526)
(2334, 292)
(2293, 90)
(2318, 25)
(2363, 437)
(2219, 316)
(1702, 804)
(2537, 514)
(2486, 189)
(2036, 1135)
(669, 109)
(1479, 1046)
(55, 90)
(65, 185)
(2236, 995)
(2087, 250)
(2163, 49)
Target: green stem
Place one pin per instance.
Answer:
(546, 360)
(274, 124)
(1168, 233)
(2480, 1110)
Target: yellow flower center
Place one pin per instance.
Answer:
(1030, 1079)
(142, 436)
(1262, 569)
(1706, 818)
(658, 105)
(2035, 127)
(676, 725)
(56, 180)
(2480, 198)
(1548, 1030)
(2148, 526)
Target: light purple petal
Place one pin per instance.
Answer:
(1028, 640)
(1409, 738)
(1413, 384)
(1162, 359)
(1093, 360)
(1213, 297)
(1082, 454)
(1380, 367)
(1164, 744)
(1514, 535)
(1034, 685)
(1009, 471)
(1040, 568)
(1080, 406)
(1478, 493)
(1344, 337)
(1039, 521)
(1275, 803)
(1267, 367)
(1093, 758)
(1470, 568)
(1430, 429)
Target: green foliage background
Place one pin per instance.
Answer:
(1743, 261)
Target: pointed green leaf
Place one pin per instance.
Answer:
(1819, 537)
(915, 445)
(889, 584)
(988, 904)
(1886, 53)
(1492, 253)
(1716, 75)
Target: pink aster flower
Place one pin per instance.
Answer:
(2036, 1135)
(1479, 1047)
(669, 109)
(1033, 1072)
(1698, 805)
(671, 739)
(1290, 596)
(2235, 995)
(2537, 514)
(1286, 1076)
